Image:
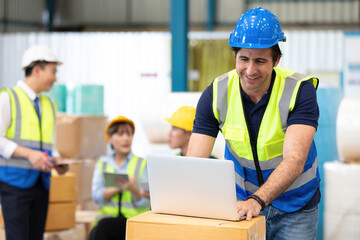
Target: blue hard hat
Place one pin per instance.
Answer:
(257, 28)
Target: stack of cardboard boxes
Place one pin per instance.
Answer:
(61, 211)
(80, 139)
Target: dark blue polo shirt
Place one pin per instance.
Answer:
(306, 111)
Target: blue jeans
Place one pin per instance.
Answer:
(300, 225)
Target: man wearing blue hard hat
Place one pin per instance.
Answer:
(268, 116)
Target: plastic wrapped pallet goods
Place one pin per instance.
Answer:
(86, 99)
(155, 109)
(58, 93)
(342, 209)
(329, 99)
(348, 130)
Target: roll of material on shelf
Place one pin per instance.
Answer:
(155, 109)
(348, 130)
(342, 208)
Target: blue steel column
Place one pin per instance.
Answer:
(179, 44)
(211, 15)
(51, 8)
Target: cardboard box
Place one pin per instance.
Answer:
(84, 172)
(60, 216)
(1, 219)
(153, 226)
(62, 188)
(80, 136)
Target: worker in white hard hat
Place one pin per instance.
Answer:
(268, 116)
(27, 152)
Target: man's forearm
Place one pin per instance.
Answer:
(200, 145)
(280, 180)
(297, 143)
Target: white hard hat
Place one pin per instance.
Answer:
(38, 53)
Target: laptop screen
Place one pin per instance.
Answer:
(191, 186)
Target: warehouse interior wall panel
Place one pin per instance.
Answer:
(310, 12)
(105, 11)
(152, 12)
(25, 10)
(313, 51)
(198, 11)
(229, 11)
(68, 12)
(10, 28)
(2, 4)
(85, 14)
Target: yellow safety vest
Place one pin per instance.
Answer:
(129, 209)
(268, 149)
(26, 131)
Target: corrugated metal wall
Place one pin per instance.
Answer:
(313, 12)
(22, 15)
(2, 16)
(25, 15)
(319, 53)
(304, 51)
(122, 62)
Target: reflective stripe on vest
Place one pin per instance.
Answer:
(25, 130)
(128, 207)
(227, 96)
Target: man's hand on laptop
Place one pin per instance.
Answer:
(249, 208)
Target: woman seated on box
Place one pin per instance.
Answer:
(119, 197)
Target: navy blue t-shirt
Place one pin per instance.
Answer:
(306, 111)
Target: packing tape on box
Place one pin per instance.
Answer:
(342, 208)
(348, 129)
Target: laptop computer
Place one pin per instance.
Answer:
(190, 186)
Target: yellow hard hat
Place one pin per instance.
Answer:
(183, 118)
(117, 120)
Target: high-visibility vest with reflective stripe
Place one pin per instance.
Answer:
(228, 110)
(129, 209)
(25, 130)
